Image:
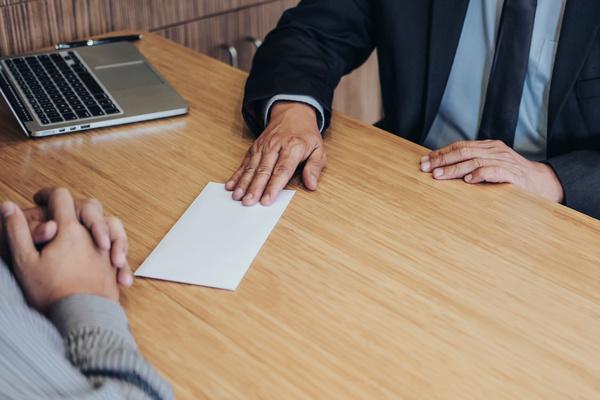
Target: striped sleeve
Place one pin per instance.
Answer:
(88, 354)
(99, 344)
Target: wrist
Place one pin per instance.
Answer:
(57, 294)
(63, 293)
(551, 187)
(297, 111)
(80, 312)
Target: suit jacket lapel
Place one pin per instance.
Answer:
(580, 25)
(447, 20)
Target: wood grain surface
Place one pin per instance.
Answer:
(384, 284)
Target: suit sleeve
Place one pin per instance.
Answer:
(312, 47)
(579, 175)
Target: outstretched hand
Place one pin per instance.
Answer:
(291, 138)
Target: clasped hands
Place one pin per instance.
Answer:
(64, 247)
(292, 137)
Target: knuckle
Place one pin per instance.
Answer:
(319, 162)
(244, 182)
(273, 143)
(249, 169)
(281, 170)
(517, 174)
(464, 152)
(114, 221)
(263, 170)
(93, 202)
(442, 159)
(236, 175)
(451, 170)
(254, 150)
(100, 225)
(296, 141)
(59, 190)
(23, 259)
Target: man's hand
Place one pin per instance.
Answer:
(70, 264)
(492, 161)
(108, 232)
(291, 137)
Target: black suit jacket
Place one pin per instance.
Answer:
(317, 42)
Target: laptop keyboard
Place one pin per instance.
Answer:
(60, 88)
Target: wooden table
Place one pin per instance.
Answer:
(383, 284)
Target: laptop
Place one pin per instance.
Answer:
(84, 88)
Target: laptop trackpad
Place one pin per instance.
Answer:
(127, 76)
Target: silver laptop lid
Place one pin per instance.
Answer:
(88, 87)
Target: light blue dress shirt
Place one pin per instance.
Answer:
(462, 104)
(461, 109)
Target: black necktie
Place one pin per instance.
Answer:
(507, 76)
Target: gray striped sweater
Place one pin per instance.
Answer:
(84, 350)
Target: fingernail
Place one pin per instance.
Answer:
(437, 173)
(229, 184)
(7, 209)
(425, 158)
(127, 280)
(468, 178)
(248, 197)
(315, 181)
(266, 199)
(121, 260)
(425, 166)
(239, 192)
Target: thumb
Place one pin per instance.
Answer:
(313, 168)
(17, 233)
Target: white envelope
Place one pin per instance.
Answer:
(215, 240)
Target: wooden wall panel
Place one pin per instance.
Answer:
(210, 34)
(160, 14)
(27, 25)
(9, 2)
(32, 25)
(359, 94)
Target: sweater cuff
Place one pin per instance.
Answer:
(84, 311)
